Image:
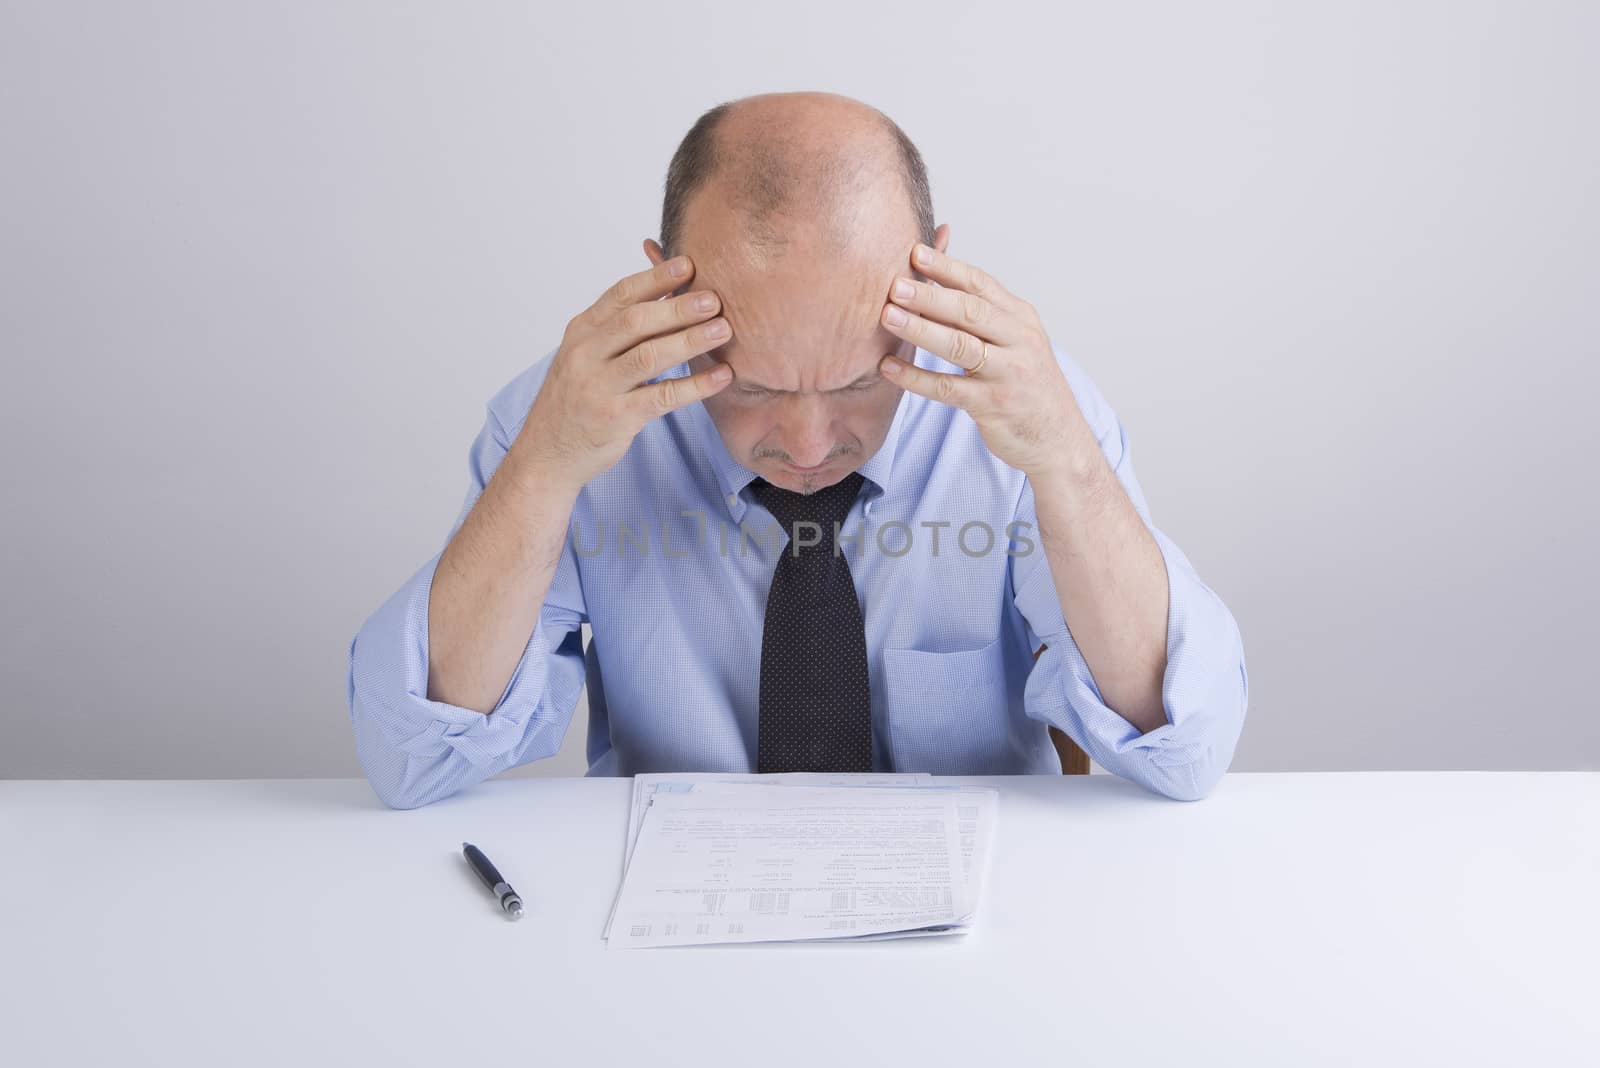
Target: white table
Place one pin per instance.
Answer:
(1287, 919)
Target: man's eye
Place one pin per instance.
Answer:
(757, 394)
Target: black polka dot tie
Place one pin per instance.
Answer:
(816, 703)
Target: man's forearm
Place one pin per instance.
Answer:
(492, 579)
(1111, 580)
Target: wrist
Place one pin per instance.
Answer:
(534, 467)
(1081, 476)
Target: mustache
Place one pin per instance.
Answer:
(779, 454)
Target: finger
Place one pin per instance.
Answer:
(957, 346)
(637, 322)
(958, 274)
(957, 390)
(643, 286)
(650, 357)
(958, 308)
(659, 398)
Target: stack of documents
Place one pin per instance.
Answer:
(800, 857)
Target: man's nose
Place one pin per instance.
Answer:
(808, 435)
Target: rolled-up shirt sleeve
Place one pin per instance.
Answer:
(1205, 688)
(415, 750)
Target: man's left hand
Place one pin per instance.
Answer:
(1011, 384)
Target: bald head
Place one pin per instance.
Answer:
(818, 171)
(798, 210)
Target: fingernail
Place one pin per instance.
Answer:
(924, 255)
(904, 290)
(721, 373)
(890, 366)
(895, 316)
(678, 267)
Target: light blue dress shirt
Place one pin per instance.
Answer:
(669, 559)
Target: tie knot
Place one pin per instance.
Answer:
(824, 507)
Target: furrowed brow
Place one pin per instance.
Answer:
(747, 383)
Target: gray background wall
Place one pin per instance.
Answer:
(263, 264)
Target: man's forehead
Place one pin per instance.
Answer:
(802, 322)
(746, 265)
(774, 372)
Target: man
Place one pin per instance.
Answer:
(867, 518)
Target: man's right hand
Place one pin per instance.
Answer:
(594, 399)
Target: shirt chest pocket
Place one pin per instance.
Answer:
(948, 713)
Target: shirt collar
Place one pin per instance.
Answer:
(733, 477)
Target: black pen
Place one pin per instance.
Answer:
(509, 901)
